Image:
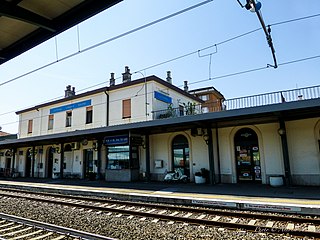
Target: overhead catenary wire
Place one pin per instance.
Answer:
(173, 59)
(205, 80)
(110, 40)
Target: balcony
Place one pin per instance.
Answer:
(299, 94)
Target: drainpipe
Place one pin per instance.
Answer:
(13, 159)
(218, 154)
(61, 160)
(99, 158)
(211, 157)
(33, 160)
(285, 152)
(107, 112)
(147, 142)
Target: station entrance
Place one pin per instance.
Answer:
(247, 154)
(181, 157)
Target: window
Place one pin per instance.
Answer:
(204, 97)
(123, 157)
(68, 119)
(89, 115)
(205, 109)
(118, 157)
(30, 125)
(50, 122)
(126, 108)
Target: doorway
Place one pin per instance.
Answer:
(181, 155)
(88, 171)
(247, 154)
(28, 163)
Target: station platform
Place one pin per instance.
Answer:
(285, 199)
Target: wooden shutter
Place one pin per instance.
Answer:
(30, 123)
(126, 108)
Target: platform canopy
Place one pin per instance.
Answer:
(25, 24)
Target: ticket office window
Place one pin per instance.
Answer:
(122, 157)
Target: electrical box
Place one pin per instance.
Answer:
(158, 163)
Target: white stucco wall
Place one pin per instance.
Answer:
(303, 147)
(40, 117)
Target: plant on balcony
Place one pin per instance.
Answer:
(169, 113)
(190, 108)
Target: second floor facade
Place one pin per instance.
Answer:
(128, 102)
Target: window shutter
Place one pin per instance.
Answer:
(30, 123)
(126, 108)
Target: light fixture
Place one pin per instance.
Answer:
(206, 138)
(281, 131)
(95, 146)
(57, 149)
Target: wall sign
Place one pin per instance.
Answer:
(116, 140)
(70, 106)
(162, 97)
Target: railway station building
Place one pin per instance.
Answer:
(140, 129)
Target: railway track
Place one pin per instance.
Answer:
(258, 222)
(14, 228)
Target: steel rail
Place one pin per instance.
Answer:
(257, 228)
(238, 213)
(54, 228)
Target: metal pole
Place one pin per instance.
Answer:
(285, 152)
(211, 157)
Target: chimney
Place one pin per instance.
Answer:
(185, 87)
(169, 78)
(112, 80)
(126, 76)
(68, 92)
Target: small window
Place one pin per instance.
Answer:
(205, 109)
(50, 122)
(204, 97)
(126, 108)
(68, 119)
(30, 125)
(89, 115)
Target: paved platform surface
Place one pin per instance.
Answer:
(293, 199)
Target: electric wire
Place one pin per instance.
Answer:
(201, 81)
(110, 40)
(179, 57)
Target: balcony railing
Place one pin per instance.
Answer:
(242, 102)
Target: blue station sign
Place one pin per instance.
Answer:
(116, 140)
(71, 106)
(164, 98)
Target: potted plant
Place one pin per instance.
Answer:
(199, 178)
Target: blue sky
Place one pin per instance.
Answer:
(210, 24)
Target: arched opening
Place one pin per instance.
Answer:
(247, 154)
(8, 167)
(181, 155)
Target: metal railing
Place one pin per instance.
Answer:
(299, 94)
(273, 97)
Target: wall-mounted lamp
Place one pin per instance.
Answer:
(281, 131)
(143, 144)
(206, 138)
(95, 146)
(57, 150)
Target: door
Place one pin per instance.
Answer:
(181, 156)
(247, 156)
(28, 163)
(88, 164)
